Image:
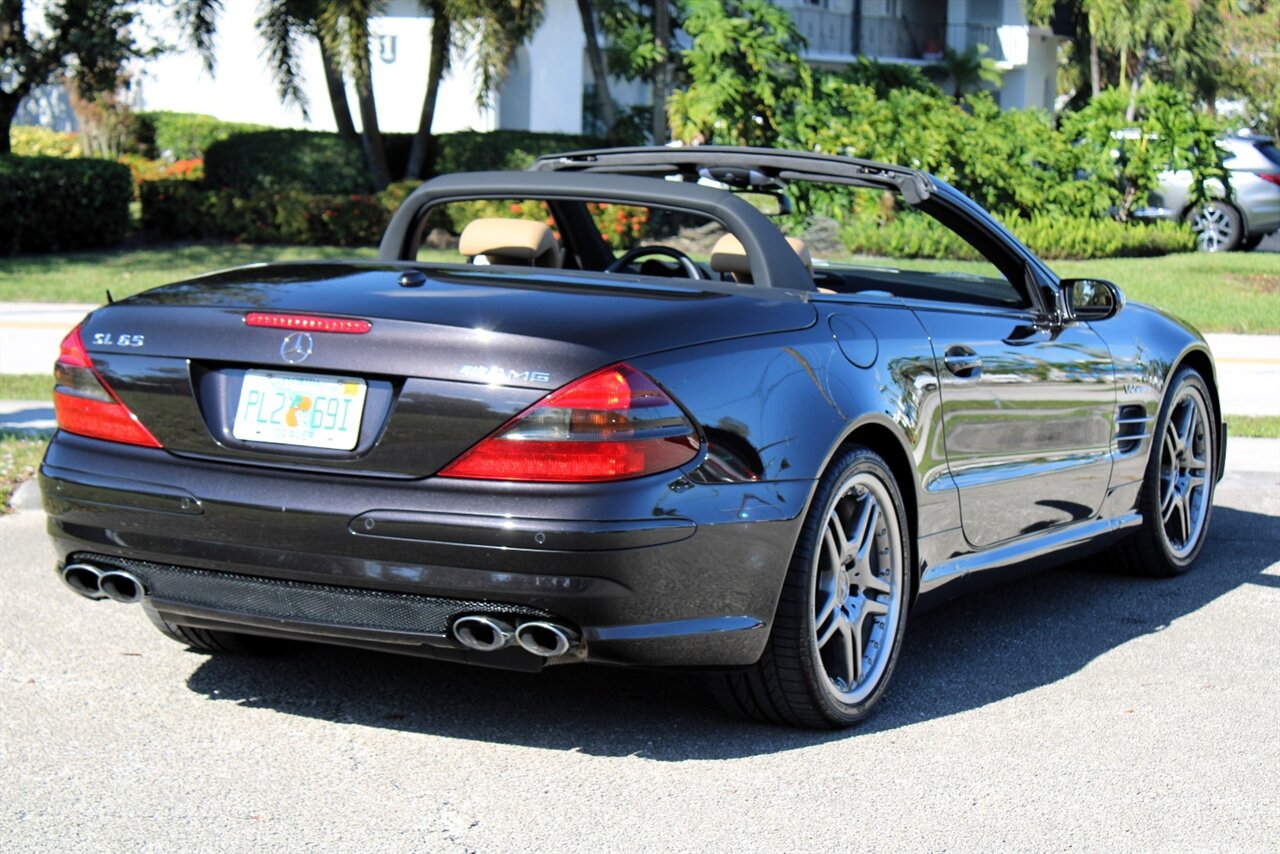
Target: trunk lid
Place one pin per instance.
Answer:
(447, 360)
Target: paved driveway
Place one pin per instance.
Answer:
(1072, 709)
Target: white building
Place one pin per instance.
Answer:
(914, 32)
(544, 88)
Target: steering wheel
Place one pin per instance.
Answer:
(686, 263)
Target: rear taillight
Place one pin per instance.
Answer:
(610, 425)
(1273, 177)
(86, 405)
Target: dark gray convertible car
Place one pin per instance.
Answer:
(628, 420)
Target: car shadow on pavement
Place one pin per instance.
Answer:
(979, 649)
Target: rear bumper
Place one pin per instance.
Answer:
(658, 571)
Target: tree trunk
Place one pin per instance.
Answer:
(422, 154)
(8, 109)
(661, 88)
(375, 154)
(337, 94)
(1095, 65)
(599, 67)
(1132, 110)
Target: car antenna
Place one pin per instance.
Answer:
(109, 299)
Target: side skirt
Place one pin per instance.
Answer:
(1027, 549)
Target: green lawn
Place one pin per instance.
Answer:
(19, 457)
(1261, 426)
(26, 386)
(1229, 292)
(87, 276)
(1226, 292)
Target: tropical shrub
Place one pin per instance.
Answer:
(57, 204)
(1126, 155)
(35, 141)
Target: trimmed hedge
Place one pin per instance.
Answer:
(183, 136)
(57, 204)
(1050, 237)
(278, 160)
(475, 151)
(183, 210)
(325, 163)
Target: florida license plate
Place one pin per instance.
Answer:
(300, 409)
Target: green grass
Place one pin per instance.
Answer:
(19, 457)
(1221, 292)
(26, 386)
(87, 276)
(1260, 426)
(1228, 292)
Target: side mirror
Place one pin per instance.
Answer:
(1092, 299)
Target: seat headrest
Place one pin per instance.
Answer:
(729, 256)
(510, 241)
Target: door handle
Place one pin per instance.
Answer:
(962, 361)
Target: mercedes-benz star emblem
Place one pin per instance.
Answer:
(296, 347)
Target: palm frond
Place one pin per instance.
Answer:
(199, 22)
(281, 33)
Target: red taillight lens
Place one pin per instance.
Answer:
(307, 322)
(613, 424)
(86, 405)
(1273, 177)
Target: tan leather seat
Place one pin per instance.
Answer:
(521, 242)
(729, 256)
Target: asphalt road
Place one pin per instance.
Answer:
(1069, 710)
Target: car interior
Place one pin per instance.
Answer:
(650, 241)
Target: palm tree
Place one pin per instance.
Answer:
(282, 24)
(344, 25)
(494, 29)
(966, 69)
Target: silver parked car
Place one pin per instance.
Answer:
(1240, 222)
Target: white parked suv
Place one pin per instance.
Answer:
(1240, 222)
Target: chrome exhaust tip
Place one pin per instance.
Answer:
(123, 587)
(546, 639)
(84, 579)
(483, 634)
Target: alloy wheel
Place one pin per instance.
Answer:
(858, 588)
(1186, 462)
(1213, 227)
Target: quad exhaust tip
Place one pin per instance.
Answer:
(94, 582)
(483, 634)
(123, 587)
(84, 579)
(488, 634)
(545, 639)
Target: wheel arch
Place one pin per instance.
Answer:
(1201, 362)
(880, 437)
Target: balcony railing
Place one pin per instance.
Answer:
(828, 33)
(831, 33)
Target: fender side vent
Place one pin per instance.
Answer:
(1133, 424)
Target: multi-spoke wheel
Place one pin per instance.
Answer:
(839, 623)
(1177, 494)
(1217, 226)
(858, 587)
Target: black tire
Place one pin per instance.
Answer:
(1249, 243)
(214, 640)
(792, 682)
(1156, 548)
(1217, 226)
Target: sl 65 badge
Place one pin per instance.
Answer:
(109, 339)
